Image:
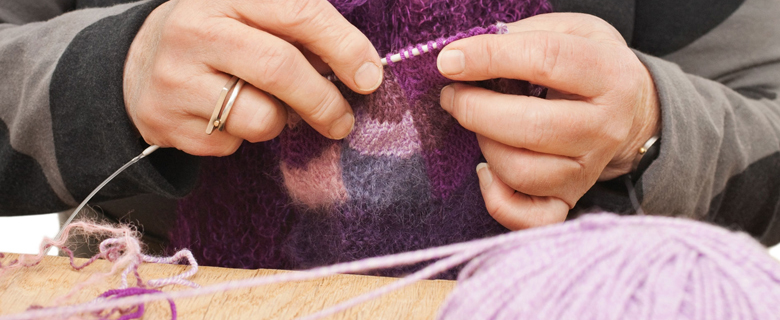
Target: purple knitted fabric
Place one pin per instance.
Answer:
(403, 180)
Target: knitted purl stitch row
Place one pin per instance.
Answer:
(404, 179)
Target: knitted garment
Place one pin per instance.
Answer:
(404, 179)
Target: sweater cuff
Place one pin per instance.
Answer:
(678, 182)
(93, 134)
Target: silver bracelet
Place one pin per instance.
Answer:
(642, 151)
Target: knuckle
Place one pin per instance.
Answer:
(265, 125)
(179, 26)
(601, 25)
(257, 132)
(229, 148)
(196, 147)
(350, 46)
(526, 181)
(149, 120)
(616, 70)
(494, 51)
(465, 109)
(531, 181)
(495, 207)
(539, 132)
(298, 12)
(547, 53)
(166, 75)
(609, 133)
(326, 110)
(219, 147)
(277, 64)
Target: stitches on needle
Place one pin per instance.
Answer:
(434, 45)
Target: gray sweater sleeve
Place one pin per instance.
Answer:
(63, 127)
(719, 155)
(720, 151)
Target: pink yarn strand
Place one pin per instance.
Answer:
(476, 246)
(123, 249)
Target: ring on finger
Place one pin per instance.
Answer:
(227, 98)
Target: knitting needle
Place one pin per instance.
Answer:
(398, 57)
(143, 154)
(415, 52)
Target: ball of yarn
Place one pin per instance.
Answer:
(610, 267)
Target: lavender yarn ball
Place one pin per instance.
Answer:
(609, 267)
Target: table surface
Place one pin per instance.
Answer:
(41, 284)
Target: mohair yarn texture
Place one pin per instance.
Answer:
(403, 180)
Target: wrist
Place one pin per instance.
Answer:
(645, 126)
(140, 57)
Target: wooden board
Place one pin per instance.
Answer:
(53, 278)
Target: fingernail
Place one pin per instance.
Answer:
(368, 77)
(342, 127)
(447, 96)
(452, 62)
(485, 177)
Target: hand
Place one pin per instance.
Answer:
(544, 154)
(186, 51)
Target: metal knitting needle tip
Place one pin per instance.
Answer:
(73, 215)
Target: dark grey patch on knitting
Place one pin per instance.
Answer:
(377, 183)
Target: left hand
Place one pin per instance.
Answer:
(544, 154)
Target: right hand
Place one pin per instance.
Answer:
(186, 51)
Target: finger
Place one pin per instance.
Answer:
(256, 116)
(319, 27)
(189, 137)
(563, 127)
(537, 174)
(564, 62)
(578, 24)
(515, 210)
(277, 67)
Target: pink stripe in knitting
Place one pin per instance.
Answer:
(375, 138)
(319, 184)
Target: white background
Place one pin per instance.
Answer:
(24, 234)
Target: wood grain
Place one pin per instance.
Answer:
(53, 278)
